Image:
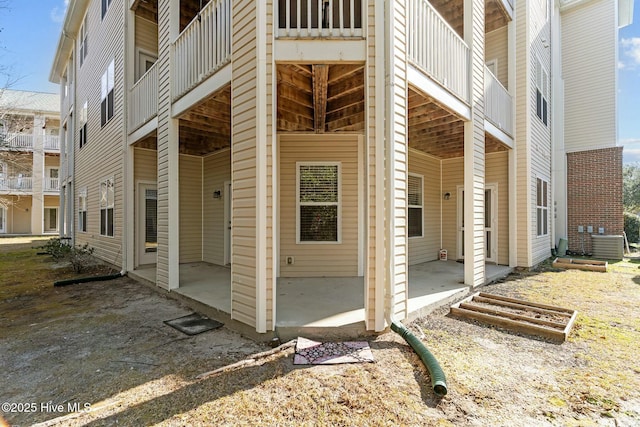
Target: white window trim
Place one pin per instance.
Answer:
(107, 84)
(104, 8)
(82, 38)
(82, 131)
(107, 207)
(3, 220)
(142, 56)
(339, 203)
(82, 195)
(421, 177)
(542, 85)
(543, 208)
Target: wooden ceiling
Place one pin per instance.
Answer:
(436, 131)
(206, 128)
(320, 98)
(495, 16)
(147, 9)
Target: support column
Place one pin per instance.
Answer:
(474, 149)
(252, 264)
(396, 163)
(167, 273)
(513, 164)
(37, 175)
(129, 226)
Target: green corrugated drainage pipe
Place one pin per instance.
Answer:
(438, 380)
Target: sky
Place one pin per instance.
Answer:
(30, 29)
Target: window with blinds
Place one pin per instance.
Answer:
(415, 205)
(318, 202)
(82, 210)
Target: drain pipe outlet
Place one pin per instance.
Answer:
(438, 380)
(89, 279)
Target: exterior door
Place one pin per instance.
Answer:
(490, 222)
(147, 223)
(3, 219)
(50, 220)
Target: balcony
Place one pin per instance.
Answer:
(498, 106)
(437, 50)
(319, 18)
(17, 141)
(52, 142)
(52, 184)
(203, 47)
(143, 99)
(16, 184)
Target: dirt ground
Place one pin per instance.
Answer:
(99, 354)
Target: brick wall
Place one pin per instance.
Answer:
(594, 195)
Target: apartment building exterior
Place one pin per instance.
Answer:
(285, 140)
(29, 162)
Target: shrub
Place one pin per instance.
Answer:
(81, 257)
(632, 227)
(57, 248)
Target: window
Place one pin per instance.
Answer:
(83, 125)
(318, 216)
(105, 6)
(82, 210)
(145, 62)
(415, 208)
(542, 88)
(83, 49)
(106, 207)
(106, 95)
(542, 207)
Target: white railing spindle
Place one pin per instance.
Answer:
(437, 49)
(143, 99)
(203, 47)
(336, 24)
(498, 105)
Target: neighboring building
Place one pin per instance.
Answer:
(324, 149)
(29, 162)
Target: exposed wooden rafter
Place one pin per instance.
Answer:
(320, 84)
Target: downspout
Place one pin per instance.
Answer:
(438, 380)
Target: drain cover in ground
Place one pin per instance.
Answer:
(328, 353)
(193, 324)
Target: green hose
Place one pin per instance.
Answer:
(438, 380)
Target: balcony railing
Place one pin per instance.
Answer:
(203, 47)
(52, 142)
(21, 183)
(498, 105)
(436, 48)
(319, 18)
(143, 99)
(51, 184)
(20, 141)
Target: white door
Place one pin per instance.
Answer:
(490, 222)
(227, 222)
(147, 223)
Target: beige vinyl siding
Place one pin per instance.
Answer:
(523, 115)
(18, 219)
(452, 177)
(51, 162)
(497, 172)
(423, 249)
(145, 165)
(190, 208)
(146, 35)
(496, 47)
(217, 170)
(164, 143)
(374, 308)
(51, 201)
(101, 157)
(243, 162)
(319, 259)
(540, 148)
(589, 69)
